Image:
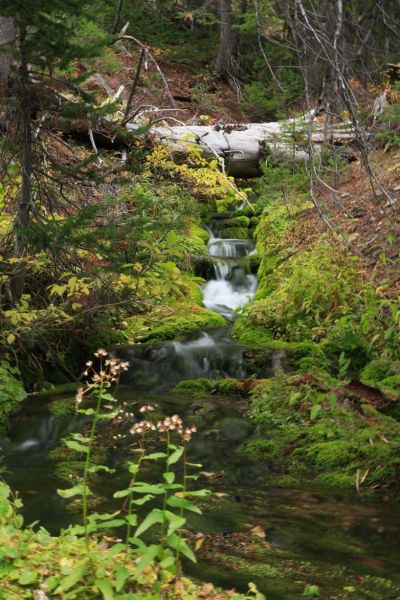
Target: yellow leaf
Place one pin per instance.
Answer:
(258, 531)
(10, 338)
(199, 542)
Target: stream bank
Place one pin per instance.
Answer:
(283, 538)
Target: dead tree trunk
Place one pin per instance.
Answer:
(224, 63)
(7, 38)
(22, 217)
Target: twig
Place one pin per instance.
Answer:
(133, 39)
(134, 84)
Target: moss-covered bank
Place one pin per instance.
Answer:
(12, 393)
(315, 432)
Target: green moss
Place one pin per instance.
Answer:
(240, 233)
(62, 407)
(204, 386)
(328, 454)
(55, 390)
(246, 211)
(195, 387)
(262, 449)
(238, 221)
(165, 322)
(227, 387)
(246, 333)
(253, 262)
(377, 370)
(335, 480)
(334, 445)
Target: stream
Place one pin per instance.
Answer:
(324, 536)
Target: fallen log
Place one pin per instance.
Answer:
(244, 146)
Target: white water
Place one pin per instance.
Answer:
(232, 287)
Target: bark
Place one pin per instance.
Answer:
(23, 217)
(7, 38)
(227, 42)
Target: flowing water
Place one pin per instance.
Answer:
(232, 287)
(329, 531)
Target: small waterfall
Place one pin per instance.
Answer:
(211, 354)
(232, 287)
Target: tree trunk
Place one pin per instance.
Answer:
(22, 217)
(7, 38)
(227, 41)
(117, 16)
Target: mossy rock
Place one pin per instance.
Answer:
(203, 267)
(261, 348)
(261, 449)
(165, 322)
(203, 387)
(238, 221)
(195, 387)
(246, 211)
(330, 454)
(234, 428)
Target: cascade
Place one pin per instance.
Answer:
(211, 354)
(232, 287)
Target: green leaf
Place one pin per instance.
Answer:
(105, 587)
(100, 468)
(199, 493)
(77, 490)
(315, 411)
(148, 489)
(76, 446)
(174, 541)
(27, 576)
(176, 502)
(131, 519)
(332, 402)
(143, 500)
(169, 477)
(175, 521)
(155, 516)
(122, 493)
(175, 456)
(70, 580)
(294, 398)
(121, 575)
(155, 456)
(103, 516)
(147, 557)
(112, 523)
(312, 591)
(171, 238)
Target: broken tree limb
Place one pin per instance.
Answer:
(243, 147)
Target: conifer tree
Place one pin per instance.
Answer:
(50, 36)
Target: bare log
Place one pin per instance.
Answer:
(244, 147)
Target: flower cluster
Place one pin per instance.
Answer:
(109, 372)
(142, 427)
(173, 423)
(147, 408)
